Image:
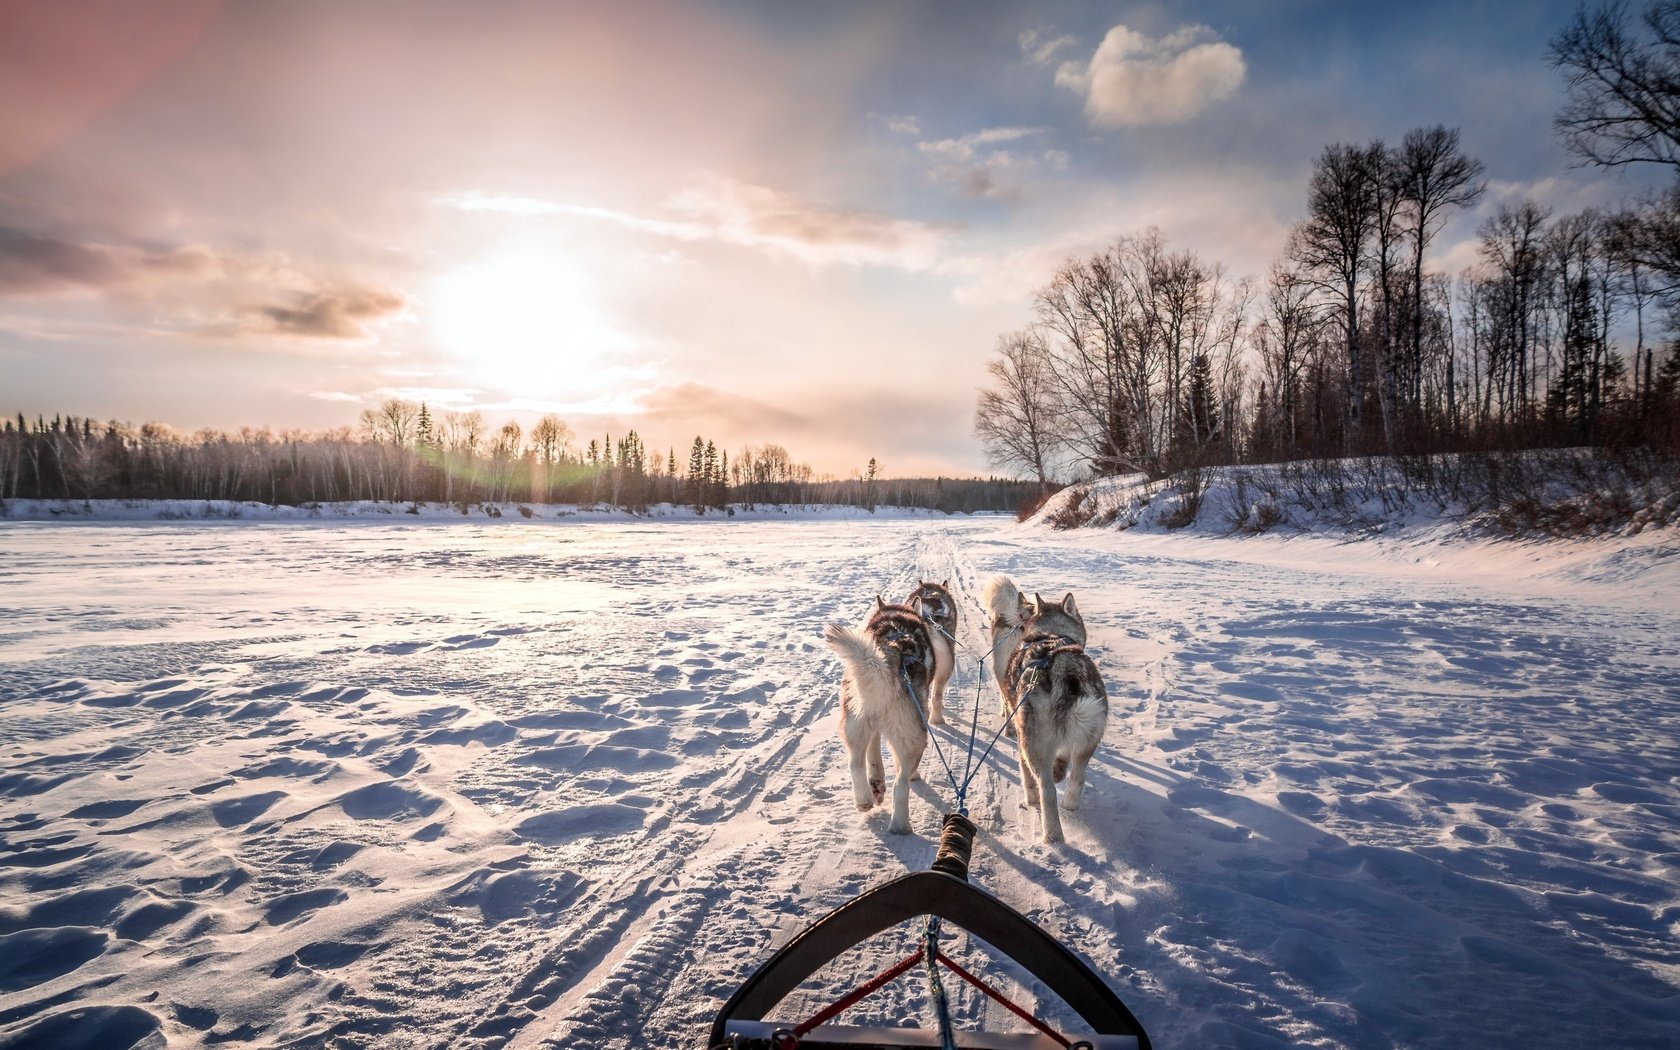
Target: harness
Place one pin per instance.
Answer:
(1030, 663)
(909, 655)
(900, 628)
(935, 604)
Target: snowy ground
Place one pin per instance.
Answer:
(427, 784)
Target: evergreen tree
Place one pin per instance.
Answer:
(708, 475)
(1665, 389)
(695, 488)
(1200, 412)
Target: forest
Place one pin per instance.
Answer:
(1145, 359)
(401, 453)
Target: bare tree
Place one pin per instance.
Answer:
(1624, 85)
(1285, 337)
(1080, 311)
(1513, 248)
(1434, 175)
(550, 438)
(1332, 243)
(1015, 417)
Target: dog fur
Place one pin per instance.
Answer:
(935, 604)
(1057, 696)
(895, 645)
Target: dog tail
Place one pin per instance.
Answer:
(1002, 600)
(1086, 703)
(853, 647)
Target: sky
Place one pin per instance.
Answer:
(761, 222)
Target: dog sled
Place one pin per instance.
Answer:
(943, 893)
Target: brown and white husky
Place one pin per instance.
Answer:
(939, 609)
(889, 667)
(1052, 692)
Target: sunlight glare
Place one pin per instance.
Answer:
(523, 322)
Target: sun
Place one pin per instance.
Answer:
(527, 323)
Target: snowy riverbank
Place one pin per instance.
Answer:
(356, 784)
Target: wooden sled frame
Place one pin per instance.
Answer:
(945, 892)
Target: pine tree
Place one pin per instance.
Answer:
(696, 486)
(869, 485)
(1665, 390)
(423, 434)
(1200, 411)
(708, 475)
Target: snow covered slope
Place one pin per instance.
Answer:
(426, 784)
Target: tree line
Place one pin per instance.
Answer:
(1144, 359)
(402, 452)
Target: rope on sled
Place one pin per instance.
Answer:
(929, 954)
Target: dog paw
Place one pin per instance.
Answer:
(936, 720)
(899, 829)
(879, 789)
(1070, 804)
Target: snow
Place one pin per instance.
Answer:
(406, 782)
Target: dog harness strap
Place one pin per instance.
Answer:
(933, 738)
(1034, 656)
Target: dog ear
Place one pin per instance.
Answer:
(1026, 607)
(1068, 606)
(945, 583)
(879, 604)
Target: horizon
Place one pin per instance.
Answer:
(799, 227)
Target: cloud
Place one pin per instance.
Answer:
(36, 265)
(329, 313)
(974, 165)
(741, 213)
(967, 147)
(907, 124)
(536, 207)
(192, 288)
(695, 406)
(1134, 80)
(1041, 46)
(757, 216)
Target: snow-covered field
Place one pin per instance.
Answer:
(470, 785)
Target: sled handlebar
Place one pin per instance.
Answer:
(956, 845)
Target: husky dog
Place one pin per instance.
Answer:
(934, 602)
(894, 648)
(1059, 703)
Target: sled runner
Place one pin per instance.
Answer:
(943, 893)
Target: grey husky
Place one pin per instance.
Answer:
(891, 657)
(939, 609)
(1051, 692)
